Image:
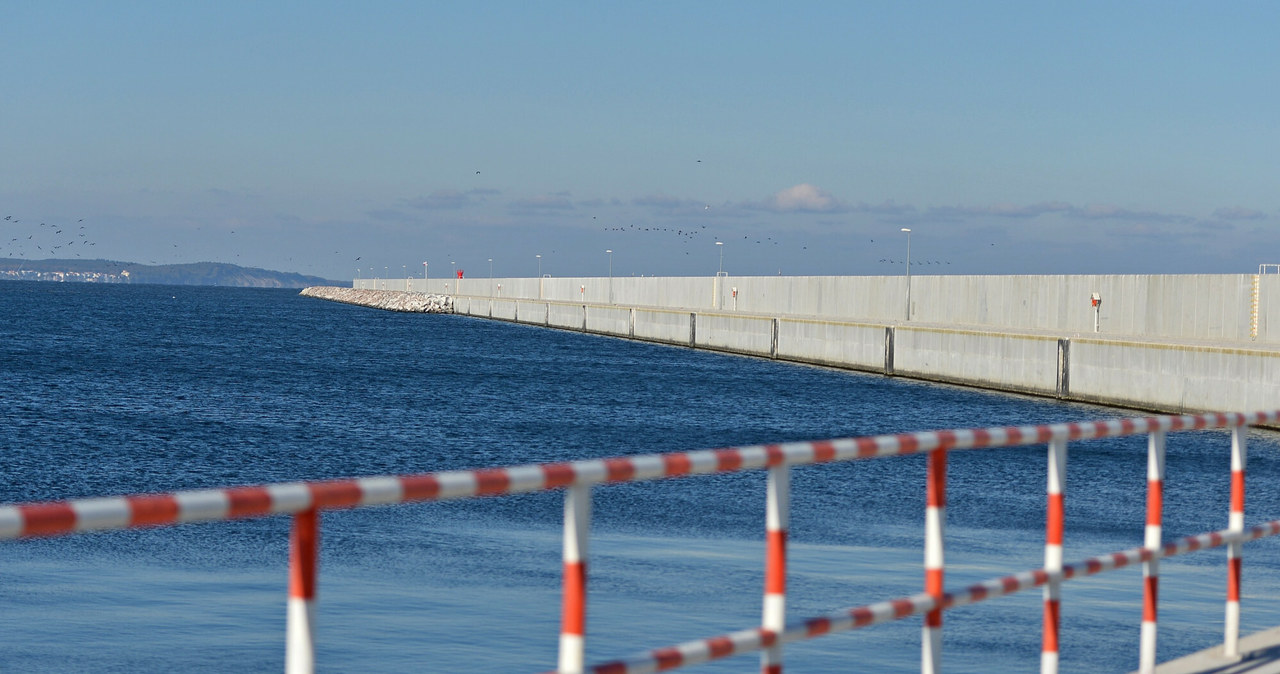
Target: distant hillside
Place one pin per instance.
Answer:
(194, 274)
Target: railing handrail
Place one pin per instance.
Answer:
(62, 517)
(305, 500)
(846, 619)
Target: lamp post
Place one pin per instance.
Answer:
(453, 272)
(424, 273)
(539, 256)
(719, 301)
(610, 252)
(404, 269)
(490, 277)
(908, 231)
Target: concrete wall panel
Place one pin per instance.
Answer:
(610, 320)
(565, 316)
(740, 334)
(532, 312)
(503, 309)
(850, 345)
(1182, 378)
(1009, 362)
(671, 327)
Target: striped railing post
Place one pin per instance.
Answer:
(1053, 555)
(300, 654)
(573, 620)
(777, 522)
(1151, 545)
(935, 520)
(1235, 522)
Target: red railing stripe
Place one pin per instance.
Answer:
(336, 494)
(47, 519)
(248, 502)
(151, 511)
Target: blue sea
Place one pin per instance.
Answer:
(136, 389)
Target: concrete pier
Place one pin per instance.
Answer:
(1174, 344)
(1259, 654)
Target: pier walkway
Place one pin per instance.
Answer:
(1259, 654)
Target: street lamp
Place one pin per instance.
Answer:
(715, 287)
(490, 277)
(610, 252)
(908, 231)
(424, 273)
(453, 272)
(539, 256)
(404, 269)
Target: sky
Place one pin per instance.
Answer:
(359, 139)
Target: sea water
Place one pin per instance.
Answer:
(136, 389)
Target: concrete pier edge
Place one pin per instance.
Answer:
(1125, 371)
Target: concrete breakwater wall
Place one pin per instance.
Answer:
(1231, 307)
(383, 299)
(1156, 375)
(1203, 357)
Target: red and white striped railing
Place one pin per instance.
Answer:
(305, 500)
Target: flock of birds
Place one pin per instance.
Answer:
(55, 240)
(24, 238)
(44, 239)
(689, 233)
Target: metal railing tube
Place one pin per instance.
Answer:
(1235, 522)
(777, 524)
(1054, 515)
(1152, 543)
(573, 621)
(935, 521)
(304, 540)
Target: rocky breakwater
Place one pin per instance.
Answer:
(391, 300)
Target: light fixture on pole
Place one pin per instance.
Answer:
(424, 272)
(908, 231)
(717, 288)
(539, 256)
(490, 277)
(610, 252)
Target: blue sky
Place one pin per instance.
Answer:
(343, 138)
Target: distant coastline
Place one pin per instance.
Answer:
(192, 274)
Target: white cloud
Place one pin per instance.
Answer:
(803, 198)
